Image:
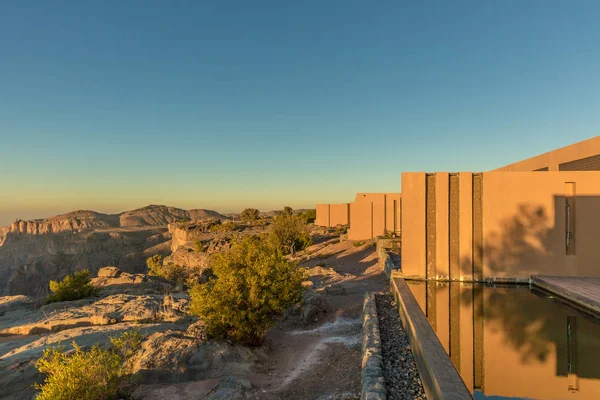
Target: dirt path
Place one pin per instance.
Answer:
(319, 360)
(322, 360)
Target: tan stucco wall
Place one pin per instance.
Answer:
(322, 218)
(339, 214)
(413, 223)
(523, 225)
(553, 159)
(372, 214)
(331, 215)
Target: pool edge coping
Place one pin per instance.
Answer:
(440, 378)
(571, 299)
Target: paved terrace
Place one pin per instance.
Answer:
(582, 291)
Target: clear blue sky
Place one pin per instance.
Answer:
(111, 105)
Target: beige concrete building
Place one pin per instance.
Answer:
(500, 225)
(581, 156)
(332, 215)
(536, 216)
(368, 216)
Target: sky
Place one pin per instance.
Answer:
(223, 105)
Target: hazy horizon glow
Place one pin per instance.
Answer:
(223, 105)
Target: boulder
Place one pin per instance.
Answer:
(230, 388)
(313, 304)
(109, 272)
(173, 356)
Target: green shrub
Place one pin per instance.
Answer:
(252, 285)
(309, 216)
(176, 273)
(358, 244)
(289, 233)
(154, 264)
(199, 247)
(250, 215)
(341, 229)
(72, 287)
(287, 210)
(226, 226)
(88, 375)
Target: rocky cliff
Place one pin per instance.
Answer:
(33, 252)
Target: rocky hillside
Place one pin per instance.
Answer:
(33, 252)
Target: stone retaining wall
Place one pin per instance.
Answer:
(372, 380)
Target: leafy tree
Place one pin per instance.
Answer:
(250, 215)
(253, 284)
(287, 210)
(88, 375)
(72, 287)
(289, 233)
(309, 216)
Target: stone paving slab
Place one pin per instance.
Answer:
(582, 291)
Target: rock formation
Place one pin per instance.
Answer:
(33, 252)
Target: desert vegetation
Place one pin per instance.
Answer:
(97, 373)
(250, 215)
(253, 284)
(175, 273)
(227, 226)
(289, 233)
(73, 287)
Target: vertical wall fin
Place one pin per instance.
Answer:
(454, 251)
(430, 225)
(477, 227)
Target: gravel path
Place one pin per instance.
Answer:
(399, 368)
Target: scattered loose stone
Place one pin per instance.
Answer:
(399, 368)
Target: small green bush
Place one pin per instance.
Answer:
(226, 226)
(172, 272)
(289, 233)
(88, 375)
(72, 287)
(309, 216)
(341, 229)
(155, 264)
(359, 243)
(253, 284)
(199, 247)
(250, 215)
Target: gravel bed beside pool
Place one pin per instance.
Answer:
(399, 368)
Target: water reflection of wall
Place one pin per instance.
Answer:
(510, 342)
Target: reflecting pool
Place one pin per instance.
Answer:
(513, 342)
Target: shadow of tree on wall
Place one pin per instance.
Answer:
(528, 242)
(524, 240)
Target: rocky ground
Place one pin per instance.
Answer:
(312, 353)
(399, 367)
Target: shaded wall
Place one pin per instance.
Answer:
(500, 225)
(374, 214)
(331, 215)
(581, 156)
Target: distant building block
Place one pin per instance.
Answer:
(331, 215)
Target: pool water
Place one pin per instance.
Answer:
(514, 342)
